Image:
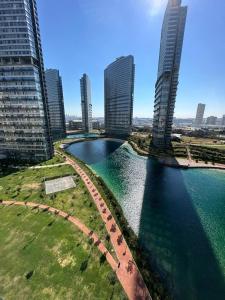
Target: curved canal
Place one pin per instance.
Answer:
(179, 215)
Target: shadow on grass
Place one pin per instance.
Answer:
(37, 235)
(5, 171)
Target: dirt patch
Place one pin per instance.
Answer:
(67, 260)
(63, 259)
(48, 291)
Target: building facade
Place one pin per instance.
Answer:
(168, 72)
(211, 120)
(86, 106)
(24, 119)
(119, 96)
(200, 115)
(55, 103)
(75, 125)
(96, 125)
(223, 121)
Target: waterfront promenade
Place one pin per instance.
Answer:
(177, 162)
(127, 270)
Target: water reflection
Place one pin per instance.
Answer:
(94, 151)
(171, 230)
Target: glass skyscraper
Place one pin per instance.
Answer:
(119, 93)
(55, 103)
(200, 114)
(168, 72)
(86, 106)
(24, 121)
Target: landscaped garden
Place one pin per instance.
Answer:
(45, 257)
(28, 185)
(143, 142)
(201, 149)
(208, 154)
(55, 160)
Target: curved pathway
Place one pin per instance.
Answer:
(49, 166)
(96, 241)
(127, 270)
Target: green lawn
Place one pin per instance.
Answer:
(27, 185)
(201, 141)
(220, 147)
(55, 160)
(46, 257)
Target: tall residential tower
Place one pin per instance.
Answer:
(86, 106)
(211, 120)
(119, 93)
(168, 72)
(223, 121)
(55, 103)
(24, 120)
(200, 114)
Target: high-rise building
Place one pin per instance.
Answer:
(200, 115)
(86, 106)
(168, 72)
(24, 120)
(223, 120)
(55, 103)
(211, 120)
(119, 93)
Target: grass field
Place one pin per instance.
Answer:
(55, 160)
(27, 185)
(201, 141)
(45, 257)
(219, 147)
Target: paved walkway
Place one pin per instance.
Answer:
(200, 164)
(96, 241)
(127, 271)
(48, 166)
(181, 162)
(189, 155)
(39, 167)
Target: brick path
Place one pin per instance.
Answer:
(127, 270)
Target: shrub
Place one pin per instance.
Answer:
(112, 278)
(102, 259)
(84, 265)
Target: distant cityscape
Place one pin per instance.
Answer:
(32, 102)
(98, 122)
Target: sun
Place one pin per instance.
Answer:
(155, 6)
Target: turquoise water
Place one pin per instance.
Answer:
(178, 215)
(82, 135)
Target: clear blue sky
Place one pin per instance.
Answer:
(84, 36)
